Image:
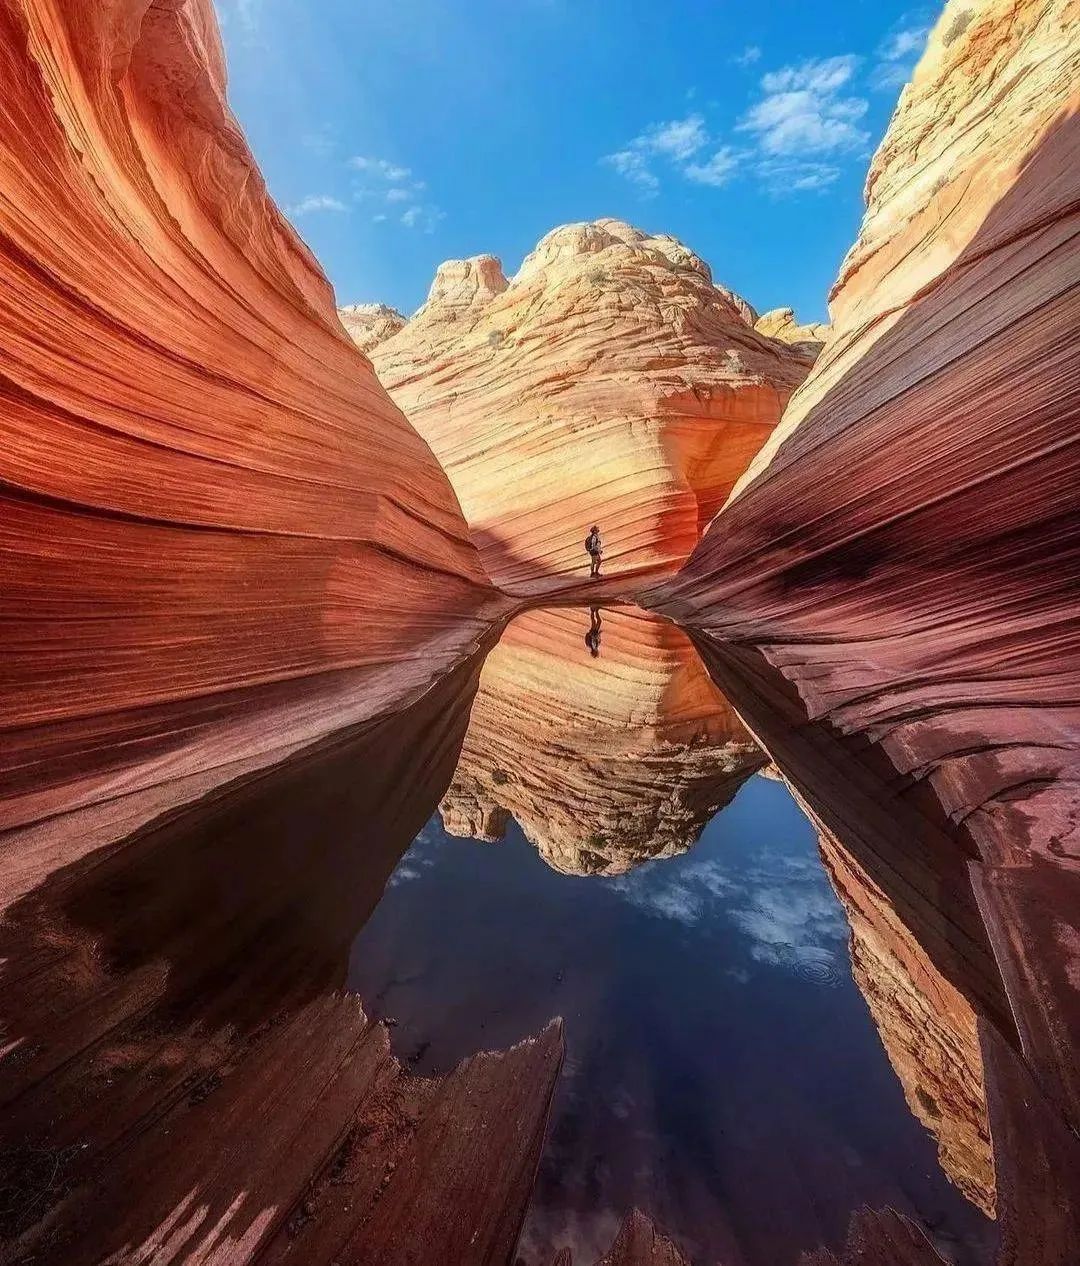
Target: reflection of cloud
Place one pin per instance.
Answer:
(419, 856)
(686, 895)
(794, 920)
(782, 905)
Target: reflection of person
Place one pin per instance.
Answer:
(592, 638)
(595, 549)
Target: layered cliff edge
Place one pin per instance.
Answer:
(905, 547)
(609, 381)
(205, 489)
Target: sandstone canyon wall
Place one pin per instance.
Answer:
(204, 487)
(608, 382)
(905, 548)
(604, 762)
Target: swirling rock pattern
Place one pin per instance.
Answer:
(204, 487)
(609, 382)
(906, 547)
(605, 762)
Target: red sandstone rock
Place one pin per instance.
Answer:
(204, 486)
(905, 548)
(608, 382)
(605, 762)
(182, 1079)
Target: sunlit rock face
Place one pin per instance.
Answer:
(605, 762)
(369, 324)
(906, 546)
(781, 323)
(609, 382)
(205, 487)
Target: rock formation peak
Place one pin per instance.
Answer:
(462, 286)
(610, 381)
(369, 324)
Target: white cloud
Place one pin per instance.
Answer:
(381, 168)
(898, 53)
(783, 177)
(678, 139)
(316, 202)
(676, 142)
(398, 195)
(425, 218)
(904, 44)
(633, 167)
(804, 111)
(378, 219)
(715, 171)
(821, 75)
(807, 118)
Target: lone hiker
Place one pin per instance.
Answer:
(595, 549)
(592, 638)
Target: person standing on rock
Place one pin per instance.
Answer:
(595, 549)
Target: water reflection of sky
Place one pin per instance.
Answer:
(722, 1071)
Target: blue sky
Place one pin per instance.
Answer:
(397, 135)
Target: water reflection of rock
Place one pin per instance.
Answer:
(183, 1078)
(605, 762)
(928, 1028)
(924, 959)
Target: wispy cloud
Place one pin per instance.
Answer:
(424, 218)
(380, 168)
(382, 180)
(804, 110)
(676, 145)
(807, 119)
(750, 55)
(634, 167)
(715, 171)
(316, 202)
(898, 53)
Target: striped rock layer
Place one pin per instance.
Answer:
(604, 762)
(906, 548)
(203, 485)
(609, 382)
